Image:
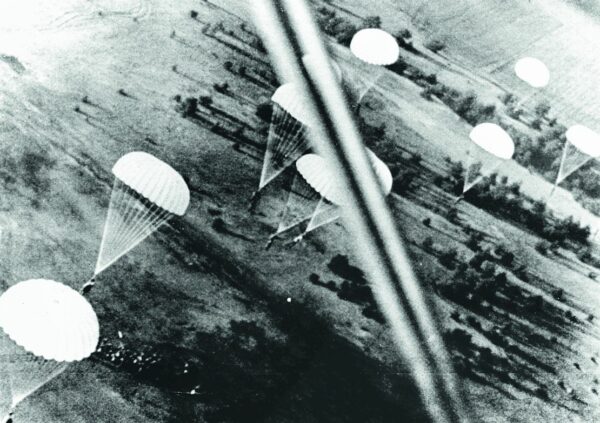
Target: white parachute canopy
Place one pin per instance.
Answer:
(582, 145)
(490, 146)
(146, 193)
(287, 138)
(44, 326)
(532, 71)
(376, 49)
(316, 192)
(535, 74)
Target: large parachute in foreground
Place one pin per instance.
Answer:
(490, 146)
(287, 140)
(146, 193)
(316, 193)
(44, 326)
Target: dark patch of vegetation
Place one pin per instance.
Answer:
(494, 194)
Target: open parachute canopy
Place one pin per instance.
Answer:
(375, 47)
(154, 180)
(493, 139)
(146, 193)
(532, 71)
(291, 99)
(287, 138)
(582, 145)
(321, 177)
(584, 139)
(490, 145)
(316, 192)
(49, 320)
(44, 326)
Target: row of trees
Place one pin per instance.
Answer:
(496, 195)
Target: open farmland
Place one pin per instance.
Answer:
(85, 82)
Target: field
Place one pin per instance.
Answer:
(242, 333)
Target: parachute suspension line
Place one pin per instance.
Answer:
(140, 212)
(369, 80)
(143, 228)
(115, 199)
(572, 159)
(324, 213)
(561, 167)
(298, 205)
(286, 136)
(32, 375)
(119, 213)
(25, 371)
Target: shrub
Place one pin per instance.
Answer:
(448, 258)
(426, 221)
(193, 14)
(428, 244)
(206, 100)
(190, 107)
(372, 22)
(264, 111)
(435, 45)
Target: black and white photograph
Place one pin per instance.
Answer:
(299, 211)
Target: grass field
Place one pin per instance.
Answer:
(217, 301)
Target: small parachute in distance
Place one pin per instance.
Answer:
(287, 139)
(146, 193)
(44, 326)
(535, 74)
(489, 147)
(532, 71)
(323, 180)
(581, 146)
(376, 48)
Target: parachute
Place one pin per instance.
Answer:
(534, 73)
(146, 193)
(318, 175)
(44, 326)
(490, 147)
(375, 48)
(582, 145)
(317, 195)
(287, 134)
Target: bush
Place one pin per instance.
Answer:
(435, 45)
(193, 14)
(372, 22)
(428, 244)
(264, 111)
(426, 221)
(190, 107)
(206, 100)
(542, 247)
(448, 258)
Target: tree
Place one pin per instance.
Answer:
(428, 244)
(448, 258)
(435, 45)
(206, 100)
(542, 109)
(190, 107)
(372, 22)
(264, 111)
